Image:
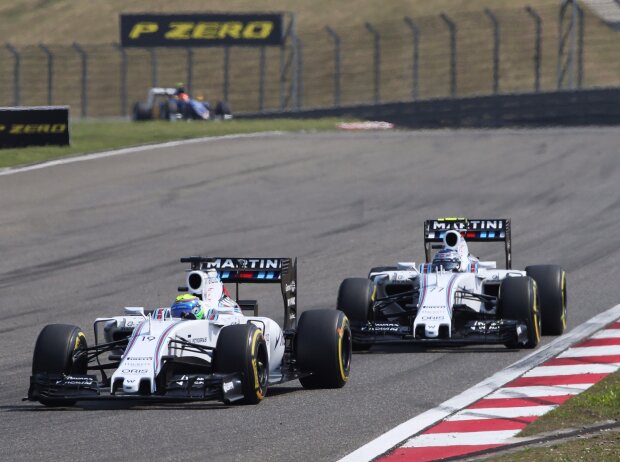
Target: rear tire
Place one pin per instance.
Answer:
(241, 348)
(519, 301)
(54, 352)
(323, 348)
(551, 282)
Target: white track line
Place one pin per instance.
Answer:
(548, 371)
(539, 391)
(460, 439)
(124, 151)
(500, 413)
(607, 333)
(409, 428)
(583, 352)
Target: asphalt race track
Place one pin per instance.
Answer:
(84, 239)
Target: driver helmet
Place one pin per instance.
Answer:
(181, 93)
(447, 259)
(187, 306)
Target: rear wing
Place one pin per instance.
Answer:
(483, 230)
(281, 271)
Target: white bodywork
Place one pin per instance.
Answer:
(151, 338)
(439, 289)
(150, 341)
(438, 295)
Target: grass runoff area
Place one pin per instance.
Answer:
(90, 137)
(599, 404)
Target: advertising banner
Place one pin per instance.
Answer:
(200, 30)
(34, 126)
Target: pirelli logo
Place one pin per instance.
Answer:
(28, 129)
(34, 126)
(200, 30)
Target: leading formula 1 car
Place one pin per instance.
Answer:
(226, 356)
(454, 297)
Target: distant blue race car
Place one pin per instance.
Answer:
(174, 104)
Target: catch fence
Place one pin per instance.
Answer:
(454, 54)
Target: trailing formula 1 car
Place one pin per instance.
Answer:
(201, 348)
(454, 297)
(175, 104)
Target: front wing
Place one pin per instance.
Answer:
(474, 332)
(187, 387)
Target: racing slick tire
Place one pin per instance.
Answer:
(518, 300)
(141, 111)
(355, 297)
(222, 110)
(54, 354)
(323, 347)
(241, 348)
(551, 282)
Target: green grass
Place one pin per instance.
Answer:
(599, 403)
(604, 446)
(88, 137)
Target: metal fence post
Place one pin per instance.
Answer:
(416, 56)
(561, 42)
(294, 91)
(16, 72)
(190, 69)
(123, 77)
(376, 60)
(573, 20)
(567, 35)
(283, 66)
(84, 92)
(537, 46)
(300, 73)
(282, 76)
(50, 71)
(295, 75)
(336, 38)
(452, 29)
(496, 45)
(152, 52)
(261, 80)
(226, 72)
(580, 47)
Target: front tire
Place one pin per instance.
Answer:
(519, 301)
(355, 299)
(241, 348)
(323, 348)
(222, 110)
(141, 111)
(551, 282)
(54, 353)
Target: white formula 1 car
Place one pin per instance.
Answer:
(225, 356)
(454, 297)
